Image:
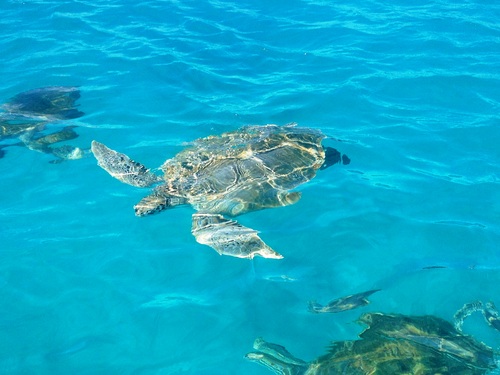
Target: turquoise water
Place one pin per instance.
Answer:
(409, 91)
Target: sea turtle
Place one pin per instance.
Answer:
(28, 113)
(51, 102)
(248, 169)
(390, 345)
(342, 304)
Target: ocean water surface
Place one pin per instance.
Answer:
(408, 90)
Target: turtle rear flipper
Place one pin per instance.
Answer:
(228, 237)
(158, 201)
(42, 144)
(67, 152)
(121, 167)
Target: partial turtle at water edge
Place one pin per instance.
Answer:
(342, 304)
(248, 169)
(390, 345)
(27, 114)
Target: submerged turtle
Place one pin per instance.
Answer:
(248, 169)
(342, 304)
(28, 113)
(390, 345)
(54, 102)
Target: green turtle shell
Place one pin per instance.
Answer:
(244, 170)
(390, 345)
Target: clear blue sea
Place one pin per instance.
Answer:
(408, 90)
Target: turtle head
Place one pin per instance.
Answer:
(332, 156)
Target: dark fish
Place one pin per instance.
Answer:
(433, 267)
(79, 345)
(342, 304)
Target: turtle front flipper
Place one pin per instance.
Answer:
(465, 311)
(276, 358)
(228, 237)
(121, 167)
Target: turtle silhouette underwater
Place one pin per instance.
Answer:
(390, 345)
(26, 116)
(248, 169)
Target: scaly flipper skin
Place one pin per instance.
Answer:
(488, 309)
(465, 311)
(228, 237)
(158, 201)
(121, 167)
(277, 358)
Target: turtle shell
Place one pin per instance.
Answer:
(390, 345)
(247, 169)
(383, 357)
(55, 101)
(432, 334)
